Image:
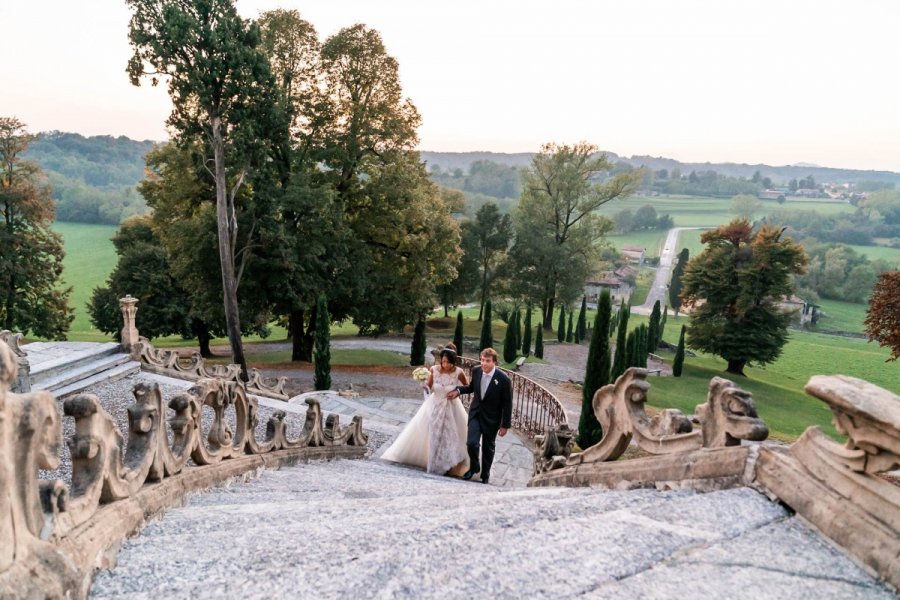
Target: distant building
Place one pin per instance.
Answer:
(802, 311)
(619, 289)
(633, 254)
(770, 195)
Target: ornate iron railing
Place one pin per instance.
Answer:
(534, 407)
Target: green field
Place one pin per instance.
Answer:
(892, 255)
(90, 258)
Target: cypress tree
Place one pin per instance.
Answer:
(322, 348)
(653, 331)
(662, 324)
(640, 354)
(570, 335)
(581, 329)
(678, 363)
(596, 375)
(487, 338)
(509, 341)
(675, 284)
(630, 350)
(614, 322)
(417, 349)
(561, 326)
(620, 362)
(517, 317)
(526, 337)
(458, 334)
(539, 341)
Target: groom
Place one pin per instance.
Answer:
(490, 412)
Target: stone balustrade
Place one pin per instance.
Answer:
(53, 536)
(841, 489)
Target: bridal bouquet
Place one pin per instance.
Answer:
(420, 374)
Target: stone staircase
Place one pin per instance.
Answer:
(64, 368)
(373, 529)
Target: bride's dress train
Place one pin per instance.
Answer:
(435, 437)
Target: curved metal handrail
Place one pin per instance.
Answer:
(534, 407)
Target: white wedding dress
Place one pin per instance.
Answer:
(435, 438)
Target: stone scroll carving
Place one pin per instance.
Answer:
(22, 382)
(194, 367)
(35, 512)
(727, 417)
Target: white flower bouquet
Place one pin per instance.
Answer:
(420, 374)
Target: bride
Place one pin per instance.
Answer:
(435, 438)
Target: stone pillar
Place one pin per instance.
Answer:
(129, 329)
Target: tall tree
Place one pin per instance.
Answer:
(509, 341)
(539, 342)
(678, 362)
(561, 326)
(490, 234)
(653, 330)
(620, 361)
(735, 285)
(662, 324)
(219, 83)
(487, 336)
(596, 374)
(31, 255)
(418, 346)
(458, 334)
(517, 315)
(557, 226)
(322, 353)
(570, 334)
(675, 283)
(526, 337)
(883, 316)
(581, 330)
(406, 242)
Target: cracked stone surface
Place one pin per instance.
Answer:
(374, 529)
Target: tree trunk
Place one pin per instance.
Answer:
(736, 367)
(202, 332)
(226, 229)
(301, 344)
(548, 314)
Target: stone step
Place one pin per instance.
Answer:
(372, 529)
(48, 360)
(83, 372)
(119, 371)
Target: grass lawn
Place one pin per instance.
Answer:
(90, 258)
(892, 255)
(841, 316)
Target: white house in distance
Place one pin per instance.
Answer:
(619, 288)
(634, 254)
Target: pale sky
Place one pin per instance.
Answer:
(751, 81)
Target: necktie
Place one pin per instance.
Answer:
(485, 382)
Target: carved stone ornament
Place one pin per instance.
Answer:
(36, 514)
(552, 449)
(22, 382)
(837, 487)
(729, 416)
(129, 334)
(194, 367)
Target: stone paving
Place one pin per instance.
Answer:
(369, 529)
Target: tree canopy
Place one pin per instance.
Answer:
(32, 298)
(883, 317)
(734, 287)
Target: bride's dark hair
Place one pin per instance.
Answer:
(450, 354)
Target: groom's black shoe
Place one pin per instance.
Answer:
(470, 473)
(485, 479)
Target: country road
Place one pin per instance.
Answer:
(659, 288)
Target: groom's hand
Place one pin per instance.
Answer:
(452, 394)
(502, 431)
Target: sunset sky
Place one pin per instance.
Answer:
(768, 81)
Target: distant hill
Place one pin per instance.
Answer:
(780, 175)
(93, 178)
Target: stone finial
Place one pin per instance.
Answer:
(729, 416)
(21, 383)
(129, 329)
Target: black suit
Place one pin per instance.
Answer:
(487, 415)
